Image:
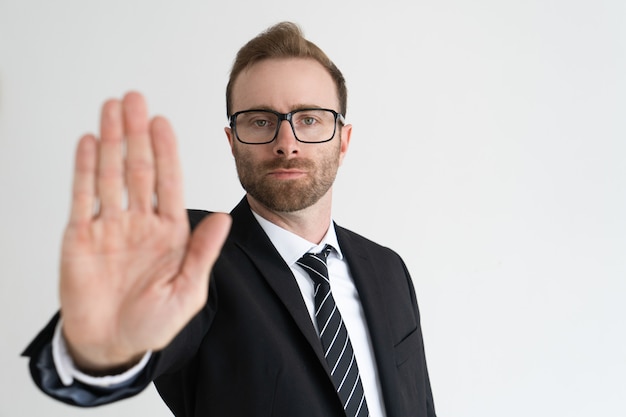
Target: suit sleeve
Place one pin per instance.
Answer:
(430, 404)
(45, 376)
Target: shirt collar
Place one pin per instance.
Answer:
(291, 247)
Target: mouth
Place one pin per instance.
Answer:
(286, 174)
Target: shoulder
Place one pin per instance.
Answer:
(354, 241)
(378, 263)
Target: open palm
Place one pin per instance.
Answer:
(132, 275)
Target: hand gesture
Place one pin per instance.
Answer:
(132, 275)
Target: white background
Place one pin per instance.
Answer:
(489, 150)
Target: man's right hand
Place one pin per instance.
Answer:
(132, 275)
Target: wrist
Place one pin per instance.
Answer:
(99, 362)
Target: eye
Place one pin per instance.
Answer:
(307, 120)
(256, 120)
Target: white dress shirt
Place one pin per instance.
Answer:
(291, 247)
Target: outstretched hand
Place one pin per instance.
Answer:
(132, 275)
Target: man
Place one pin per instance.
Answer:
(134, 303)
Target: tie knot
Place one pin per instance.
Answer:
(315, 265)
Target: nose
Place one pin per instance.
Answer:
(286, 143)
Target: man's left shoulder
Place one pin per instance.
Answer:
(356, 240)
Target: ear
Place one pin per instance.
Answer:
(346, 134)
(231, 138)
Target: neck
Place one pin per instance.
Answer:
(310, 223)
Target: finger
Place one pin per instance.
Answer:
(169, 181)
(84, 185)
(140, 175)
(110, 178)
(204, 248)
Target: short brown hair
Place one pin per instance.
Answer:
(284, 40)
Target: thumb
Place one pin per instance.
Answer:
(205, 245)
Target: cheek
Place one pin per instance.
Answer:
(331, 161)
(240, 152)
(246, 163)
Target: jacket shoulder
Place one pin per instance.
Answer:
(354, 239)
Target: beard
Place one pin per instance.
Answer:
(287, 195)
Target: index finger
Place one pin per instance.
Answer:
(84, 185)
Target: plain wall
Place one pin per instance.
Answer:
(489, 150)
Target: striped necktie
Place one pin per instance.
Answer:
(334, 336)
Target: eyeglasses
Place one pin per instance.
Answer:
(257, 127)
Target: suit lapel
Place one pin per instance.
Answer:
(250, 237)
(369, 283)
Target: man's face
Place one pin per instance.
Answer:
(287, 175)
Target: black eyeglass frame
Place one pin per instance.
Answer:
(285, 116)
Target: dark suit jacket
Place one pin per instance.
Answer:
(253, 351)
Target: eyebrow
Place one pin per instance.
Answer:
(293, 108)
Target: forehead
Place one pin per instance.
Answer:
(283, 85)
